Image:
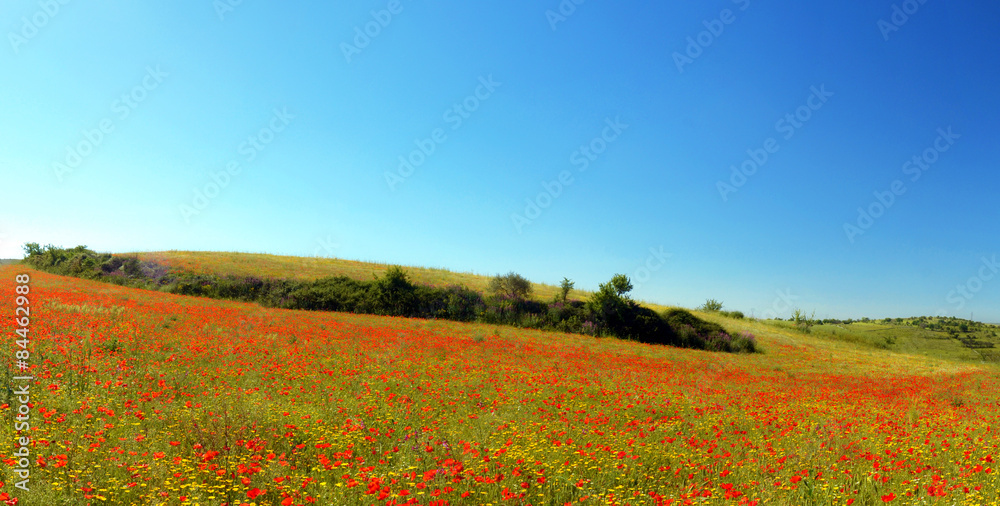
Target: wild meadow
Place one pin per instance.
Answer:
(149, 398)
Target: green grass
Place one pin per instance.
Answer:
(904, 338)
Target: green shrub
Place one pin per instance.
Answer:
(744, 342)
(649, 327)
(688, 337)
(392, 294)
(338, 293)
(680, 317)
(611, 308)
(711, 305)
(452, 303)
(510, 286)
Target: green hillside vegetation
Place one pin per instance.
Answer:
(313, 268)
(941, 337)
(506, 299)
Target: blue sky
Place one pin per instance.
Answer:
(279, 128)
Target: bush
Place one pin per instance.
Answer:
(688, 337)
(392, 294)
(566, 316)
(693, 332)
(649, 327)
(339, 293)
(611, 308)
(510, 286)
(712, 305)
(452, 303)
(744, 342)
(720, 341)
(679, 317)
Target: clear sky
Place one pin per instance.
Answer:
(716, 149)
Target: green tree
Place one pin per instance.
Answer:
(511, 285)
(566, 286)
(621, 285)
(31, 249)
(611, 306)
(802, 321)
(392, 294)
(712, 305)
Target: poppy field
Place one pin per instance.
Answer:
(142, 397)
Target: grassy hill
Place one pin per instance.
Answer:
(312, 284)
(946, 338)
(310, 268)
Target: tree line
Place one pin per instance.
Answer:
(507, 301)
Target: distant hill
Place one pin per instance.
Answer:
(9, 261)
(941, 337)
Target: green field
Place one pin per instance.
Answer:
(976, 344)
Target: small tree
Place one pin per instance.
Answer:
(799, 316)
(802, 321)
(31, 249)
(712, 305)
(611, 306)
(511, 285)
(621, 285)
(508, 298)
(566, 286)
